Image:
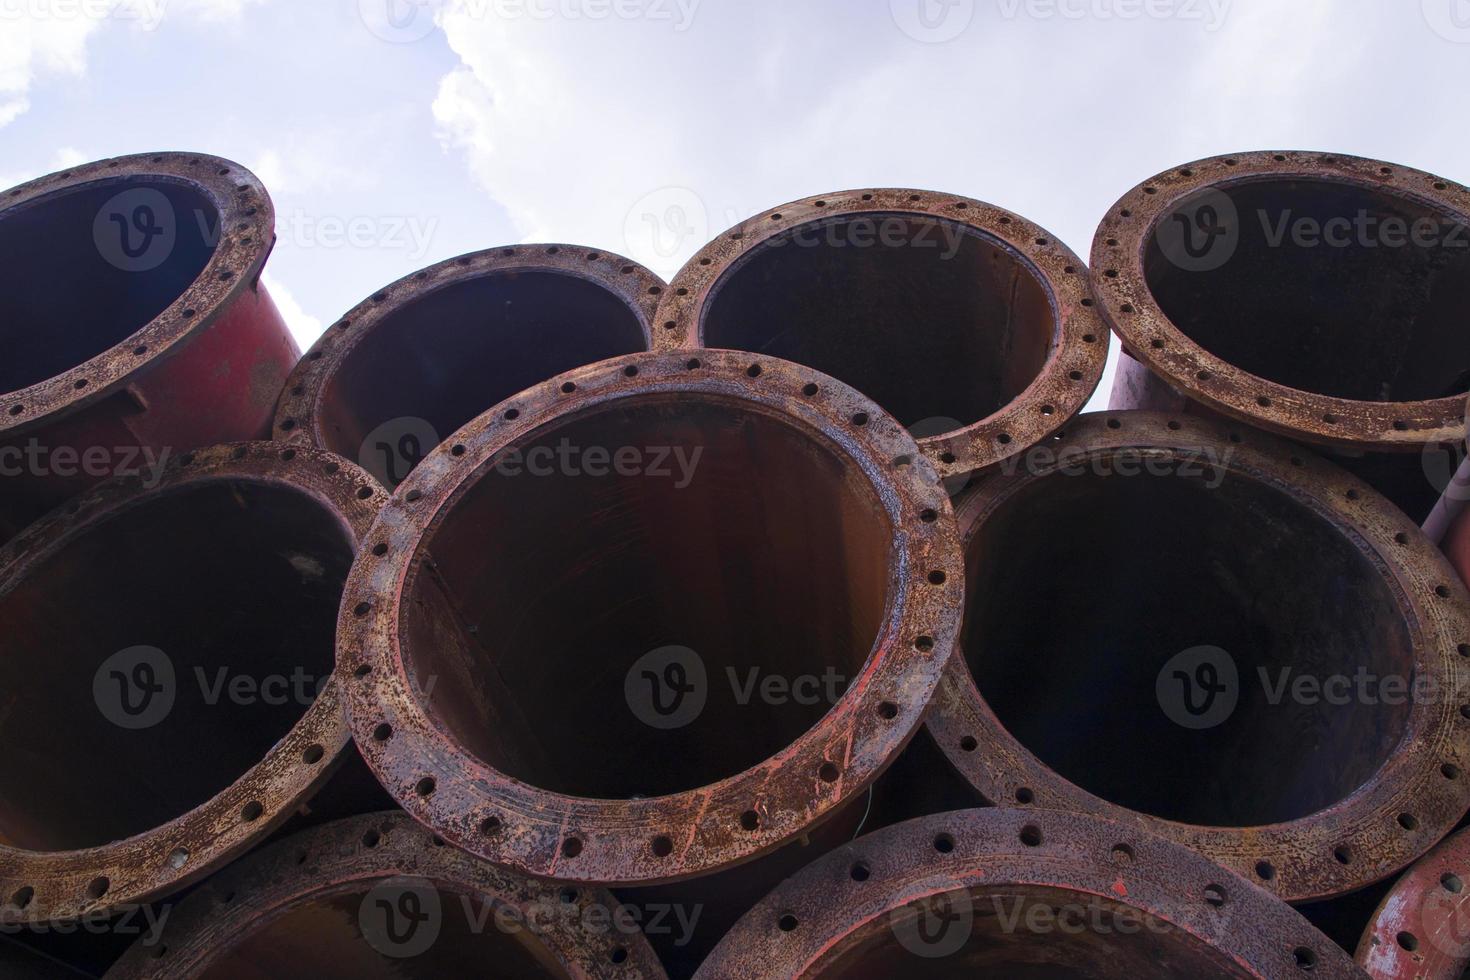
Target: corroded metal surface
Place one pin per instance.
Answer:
(770, 417)
(421, 357)
(59, 722)
(167, 340)
(1292, 566)
(1021, 892)
(1209, 200)
(1421, 930)
(376, 866)
(1001, 331)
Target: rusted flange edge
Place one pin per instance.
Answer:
(245, 233)
(874, 884)
(1128, 305)
(1079, 343)
(507, 821)
(298, 414)
(1419, 930)
(40, 886)
(1418, 795)
(387, 848)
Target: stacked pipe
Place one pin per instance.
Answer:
(662, 645)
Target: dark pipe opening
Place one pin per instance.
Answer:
(235, 586)
(931, 319)
(451, 353)
(325, 937)
(83, 269)
(1084, 587)
(768, 557)
(1035, 933)
(1368, 319)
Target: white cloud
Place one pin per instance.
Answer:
(34, 48)
(303, 326)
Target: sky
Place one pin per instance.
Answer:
(393, 134)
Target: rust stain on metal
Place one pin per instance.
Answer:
(965, 321)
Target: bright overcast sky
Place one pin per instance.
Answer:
(645, 126)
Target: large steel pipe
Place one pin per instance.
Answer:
(418, 359)
(377, 896)
(1421, 929)
(559, 642)
(168, 672)
(968, 323)
(1260, 657)
(1321, 297)
(133, 322)
(1021, 893)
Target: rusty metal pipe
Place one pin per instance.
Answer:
(1021, 893)
(132, 318)
(503, 635)
(968, 323)
(377, 896)
(1209, 571)
(169, 659)
(418, 359)
(1317, 296)
(1421, 929)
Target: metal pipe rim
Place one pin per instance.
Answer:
(245, 235)
(507, 821)
(1079, 344)
(1418, 794)
(61, 885)
(1131, 310)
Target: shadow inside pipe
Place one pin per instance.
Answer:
(154, 658)
(84, 268)
(1325, 286)
(929, 318)
(1083, 591)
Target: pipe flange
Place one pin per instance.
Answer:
(1076, 353)
(245, 235)
(1127, 302)
(1034, 888)
(680, 835)
(387, 856)
(40, 886)
(1417, 794)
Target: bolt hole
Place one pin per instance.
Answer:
(1408, 941)
(750, 820)
(788, 921)
(944, 843)
(1214, 896)
(251, 811)
(312, 754)
(828, 772)
(97, 887)
(571, 847)
(425, 786)
(1265, 871)
(662, 846)
(1031, 835)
